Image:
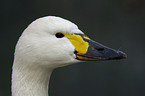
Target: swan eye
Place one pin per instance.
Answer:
(59, 35)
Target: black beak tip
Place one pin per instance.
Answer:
(122, 54)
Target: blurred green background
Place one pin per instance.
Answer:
(119, 24)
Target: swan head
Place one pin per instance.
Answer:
(54, 42)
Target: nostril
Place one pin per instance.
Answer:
(100, 49)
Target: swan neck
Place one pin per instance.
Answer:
(30, 81)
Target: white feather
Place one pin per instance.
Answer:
(38, 52)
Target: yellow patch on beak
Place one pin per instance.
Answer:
(80, 45)
(86, 37)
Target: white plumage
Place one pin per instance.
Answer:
(38, 52)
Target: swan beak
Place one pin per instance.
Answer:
(87, 49)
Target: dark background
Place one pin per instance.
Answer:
(119, 24)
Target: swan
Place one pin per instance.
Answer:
(47, 43)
